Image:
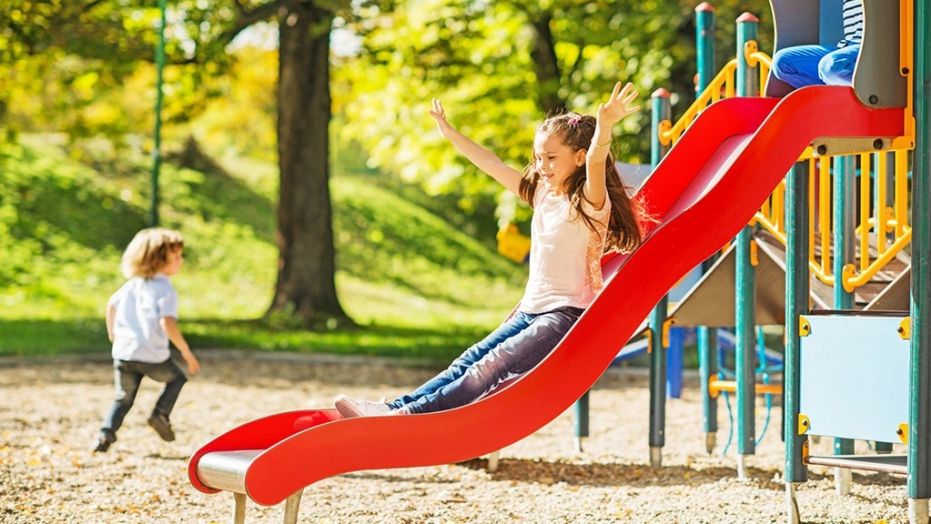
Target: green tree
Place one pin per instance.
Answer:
(500, 67)
(199, 33)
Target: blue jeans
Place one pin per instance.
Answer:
(519, 344)
(807, 65)
(127, 375)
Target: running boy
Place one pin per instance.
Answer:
(141, 319)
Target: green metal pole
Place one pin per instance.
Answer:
(581, 420)
(662, 110)
(745, 365)
(707, 337)
(919, 422)
(843, 189)
(704, 45)
(157, 146)
(843, 197)
(797, 291)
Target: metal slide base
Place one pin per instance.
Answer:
(492, 462)
(792, 514)
(843, 479)
(579, 448)
(917, 511)
(239, 508)
(656, 456)
(742, 467)
(292, 507)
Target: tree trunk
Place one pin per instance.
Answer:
(306, 262)
(546, 66)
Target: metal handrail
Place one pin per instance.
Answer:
(771, 215)
(726, 79)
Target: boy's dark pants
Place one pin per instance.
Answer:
(127, 375)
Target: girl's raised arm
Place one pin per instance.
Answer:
(483, 159)
(611, 112)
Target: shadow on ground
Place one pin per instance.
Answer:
(597, 474)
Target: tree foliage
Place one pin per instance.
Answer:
(84, 67)
(483, 60)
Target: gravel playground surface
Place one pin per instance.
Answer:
(50, 411)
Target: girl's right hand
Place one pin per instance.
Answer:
(439, 114)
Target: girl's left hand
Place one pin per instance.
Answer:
(618, 104)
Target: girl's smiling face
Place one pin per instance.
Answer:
(555, 161)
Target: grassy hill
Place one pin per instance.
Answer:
(407, 273)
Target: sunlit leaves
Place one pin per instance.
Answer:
(476, 57)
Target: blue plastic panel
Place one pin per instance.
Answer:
(854, 377)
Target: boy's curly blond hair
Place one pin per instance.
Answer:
(148, 252)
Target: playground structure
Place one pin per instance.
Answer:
(726, 159)
(846, 296)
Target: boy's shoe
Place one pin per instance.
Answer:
(350, 408)
(104, 440)
(160, 424)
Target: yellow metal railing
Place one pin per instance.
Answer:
(888, 226)
(756, 57)
(721, 86)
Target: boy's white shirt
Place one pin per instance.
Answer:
(565, 255)
(140, 304)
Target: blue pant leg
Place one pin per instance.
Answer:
(836, 68)
(513, 357)
(798, 65)
(506, 330)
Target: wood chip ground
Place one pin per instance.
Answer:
(50, 411)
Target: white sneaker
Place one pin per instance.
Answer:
(350, 408)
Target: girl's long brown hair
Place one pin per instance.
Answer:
(576, 131)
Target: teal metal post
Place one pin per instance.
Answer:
(581, 420)
(704, 45)
(745, 361)
(157, 146)
(844, 198)
(919, 420)
(662, 110)
(797, 281)
(707, 337)
(843, 195)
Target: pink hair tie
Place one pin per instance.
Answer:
(575, 121)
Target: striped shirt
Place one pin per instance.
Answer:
(853, 23)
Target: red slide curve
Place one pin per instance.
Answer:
(708, 187)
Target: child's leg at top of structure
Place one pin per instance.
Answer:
(174, 379)
(798, 65)
(511, 327)
(836, 68)
(126, 381)
(513, 357)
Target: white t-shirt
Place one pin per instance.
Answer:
(140, 304)
(565, 255)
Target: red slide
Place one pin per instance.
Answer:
(707, 188)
